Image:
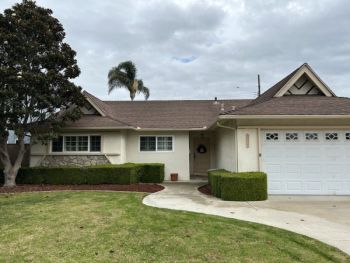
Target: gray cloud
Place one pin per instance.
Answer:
(202, 49)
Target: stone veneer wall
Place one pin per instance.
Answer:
(73, 160)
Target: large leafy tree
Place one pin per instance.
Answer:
(124, 76)
(37, 95)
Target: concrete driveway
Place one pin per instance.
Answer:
(321, 217)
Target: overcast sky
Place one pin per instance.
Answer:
(188, 49)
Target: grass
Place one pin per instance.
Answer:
(116, 227)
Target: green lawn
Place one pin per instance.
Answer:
(117, 227)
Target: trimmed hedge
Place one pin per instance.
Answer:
(100, 174)
(247, 186)
(152, 173)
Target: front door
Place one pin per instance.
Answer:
(201, 155)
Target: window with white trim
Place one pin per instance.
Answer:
(95, 143)
(72, 143)
(156, 143)
(57, 144)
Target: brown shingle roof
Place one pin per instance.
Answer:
(298, 105)
(163, 114)
(97, 121)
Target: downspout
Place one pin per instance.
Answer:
(236, 141)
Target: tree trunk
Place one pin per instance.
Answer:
(10, 178)
(10, 170)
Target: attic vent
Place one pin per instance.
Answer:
(303, 86)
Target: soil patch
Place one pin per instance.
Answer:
(148, 188)
(205, 189)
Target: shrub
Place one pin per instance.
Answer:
(129, 173)
(247, 186)
(113, 174)
(152, 173)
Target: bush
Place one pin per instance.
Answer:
(152, 173)
(247, 186)
(113, 174)
(129, 173)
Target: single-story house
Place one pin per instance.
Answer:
(298, 132)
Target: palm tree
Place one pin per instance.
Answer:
(124, 76)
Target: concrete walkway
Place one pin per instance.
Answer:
(324, 218)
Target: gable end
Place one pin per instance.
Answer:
(305, 82)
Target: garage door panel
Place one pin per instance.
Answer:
(318, 166)
(294, 185)
(312, 153)
(293, 168)
(336, 169)
(334, 185)
(275, 185)
(292, 153)
(273, 168)
(311, 169)
(313, 186)
(334, 154)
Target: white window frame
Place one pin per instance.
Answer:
(156, 150)
(77, 152)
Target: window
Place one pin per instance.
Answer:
(57, 144)
(95, 143)
(147, 143)
(331, 136)
(311, 136)
(77, 144)
(164, 143)
(156, 143)
(70, 143)
(271, 136)
(291, 136)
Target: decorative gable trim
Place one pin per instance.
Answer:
(306, 69)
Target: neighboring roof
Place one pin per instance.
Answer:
(272, 102)
(157, 114)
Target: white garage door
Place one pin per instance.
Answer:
(307, 162)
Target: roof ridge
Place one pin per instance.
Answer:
(148, 101)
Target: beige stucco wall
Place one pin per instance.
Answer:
(38, 151)
(176, 161)
(112, 143)
(247, 150)
(225, 149)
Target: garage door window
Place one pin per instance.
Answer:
(331, 136)
(271, 136)
(311, 136)
(291, 136)
(347, 136)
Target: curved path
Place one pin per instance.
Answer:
(324, 218)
